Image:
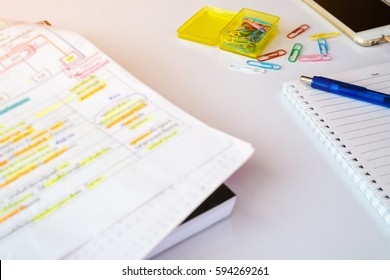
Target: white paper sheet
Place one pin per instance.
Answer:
(93, 163)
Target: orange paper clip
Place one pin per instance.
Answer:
(271, 55)
(298, 31)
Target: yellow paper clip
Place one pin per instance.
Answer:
(324, 35)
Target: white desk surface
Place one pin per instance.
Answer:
(293, 201)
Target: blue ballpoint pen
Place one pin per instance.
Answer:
(348, 90)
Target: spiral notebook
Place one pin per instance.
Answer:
(356, 133)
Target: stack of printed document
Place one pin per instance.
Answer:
(93, 163)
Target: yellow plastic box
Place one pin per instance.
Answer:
(247, 32)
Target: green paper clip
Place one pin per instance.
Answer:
(295, 52)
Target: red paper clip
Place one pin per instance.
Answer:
(298, 31)
(271, 55)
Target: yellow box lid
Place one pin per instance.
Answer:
(204, 26)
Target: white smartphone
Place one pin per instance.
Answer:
(366, 22)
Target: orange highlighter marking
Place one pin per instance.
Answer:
(57, 125)
(17, 176)
(11, 214)
(139, 107)
(92, 92)
(32, 146)
(130, 121)
(39, 134)
(5, 139)
(24, 135)
(135, 141)
(56, 154)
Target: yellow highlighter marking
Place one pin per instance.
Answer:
(95, 182)
(92, 92)
(126, 115)
(55, 207)
(15, 203)
(162, 140)
(54, 107)
(18, 175)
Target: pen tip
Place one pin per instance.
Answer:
(306, 79)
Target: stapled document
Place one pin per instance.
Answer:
(87, 151)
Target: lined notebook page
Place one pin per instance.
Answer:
(355, 132)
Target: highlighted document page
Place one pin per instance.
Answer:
(93, 163)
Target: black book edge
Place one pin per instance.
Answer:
(217, 206)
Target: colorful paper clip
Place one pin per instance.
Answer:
(324, 35)
(322, 46)
(298, 31)
(295, 52)
(262, 22)
(314, 57)
(265, 65)
(245, 38)
(256, 37)
(246, 68)
(254, 24)
(271, 55)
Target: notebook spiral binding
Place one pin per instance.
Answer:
(349, 163)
